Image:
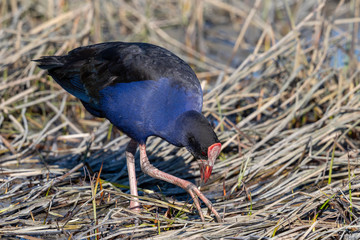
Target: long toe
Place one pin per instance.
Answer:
(197, 204)
(195, 193)
(207, 202)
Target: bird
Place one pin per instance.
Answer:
(144, 90)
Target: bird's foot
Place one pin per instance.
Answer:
(196, 194)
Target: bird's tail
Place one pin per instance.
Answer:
(50, 62)
(69, 78)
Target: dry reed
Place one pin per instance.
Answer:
(281, 83)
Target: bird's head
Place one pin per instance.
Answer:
(201, 141)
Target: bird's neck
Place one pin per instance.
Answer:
(176, 131)
(185, 124)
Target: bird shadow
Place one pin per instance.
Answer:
(114, 169)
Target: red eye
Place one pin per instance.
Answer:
(203, 153)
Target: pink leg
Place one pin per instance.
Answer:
(194, 192)
(130, 161)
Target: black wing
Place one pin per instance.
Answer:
(87, 70)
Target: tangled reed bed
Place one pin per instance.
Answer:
(283, 96)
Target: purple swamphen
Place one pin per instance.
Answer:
(144, 90)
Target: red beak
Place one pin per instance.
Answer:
(205, 172)
(206, 166)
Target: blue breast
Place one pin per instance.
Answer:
(145, 108)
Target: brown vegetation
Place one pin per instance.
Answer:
(281, 83)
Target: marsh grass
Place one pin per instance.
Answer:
(284, 97)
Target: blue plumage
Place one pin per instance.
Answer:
(144, 90)
(146, 108)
